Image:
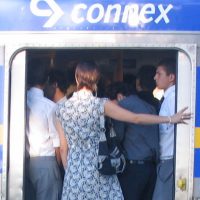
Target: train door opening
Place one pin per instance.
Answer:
(115, 65)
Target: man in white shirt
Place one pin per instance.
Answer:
(165, 79)
(43, 141)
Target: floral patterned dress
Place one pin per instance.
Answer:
(80, 118)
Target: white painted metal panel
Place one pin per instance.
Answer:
(185, 133)
(1, 123)
(17, 128)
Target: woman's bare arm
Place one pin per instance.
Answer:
(63, 143)
(116, 112)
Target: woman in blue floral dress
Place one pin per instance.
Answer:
(78, 126)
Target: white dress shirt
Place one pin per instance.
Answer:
(166, 131)
(41, 132)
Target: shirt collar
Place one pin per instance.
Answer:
(36, 91)
(169, 90)
(62, 99)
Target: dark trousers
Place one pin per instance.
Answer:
(138, 180)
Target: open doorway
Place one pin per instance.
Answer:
(114, 64)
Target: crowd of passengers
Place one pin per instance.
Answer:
(63, 123)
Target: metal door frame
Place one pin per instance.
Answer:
(187, 50)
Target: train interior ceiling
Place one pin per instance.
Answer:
(114, 64)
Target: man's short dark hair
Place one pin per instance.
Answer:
(60, 78)
(169, 65)
(37, 72)
(115, 88)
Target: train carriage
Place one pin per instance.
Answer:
(129, 32)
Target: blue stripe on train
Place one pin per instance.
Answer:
(198, 98)
(197, 122)
(197, 163)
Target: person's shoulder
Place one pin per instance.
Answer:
(99, 100)
(129, 101)
(100, 103)
(104, 99)
(128, 98)
(132, 99)
(137, 104)
(170, 91)
(48, 103)
(150, 108)
(170, 97)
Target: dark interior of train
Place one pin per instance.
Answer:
(114, 64)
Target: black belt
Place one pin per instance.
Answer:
(139, 162)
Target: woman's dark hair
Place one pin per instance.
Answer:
(87, 75)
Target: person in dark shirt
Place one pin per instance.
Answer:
(140, 143)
